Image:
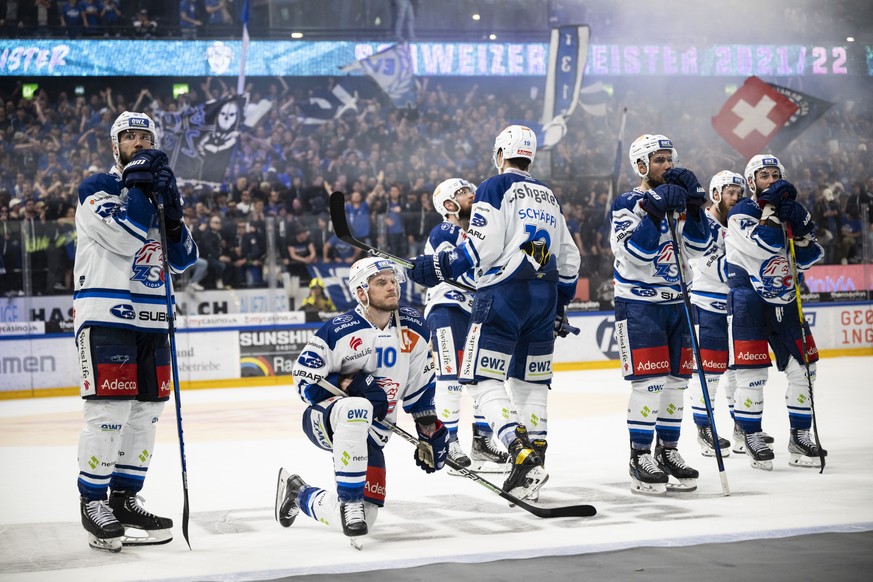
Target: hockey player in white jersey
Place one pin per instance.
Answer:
(525, 266)
(762, 310)
(651, 326)
(447, 312)
(708, 288)
(377, 354)
(120, 319)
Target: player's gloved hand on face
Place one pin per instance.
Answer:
(165, 185)
(433, 446)
(365, 386)
(663, 199)
(687, 180)
(429, 270)
(779, 191)
(141, 169)
(797, 216)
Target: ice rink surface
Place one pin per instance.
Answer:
(236, 440)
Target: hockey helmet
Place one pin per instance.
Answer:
(516, 141)
(363, 270)
(131, 120)
(725, 178)
(758, 162)
(447, 191)
(647, 144)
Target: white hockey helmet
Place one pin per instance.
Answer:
(516, 141)
(758, 162)
(447, 191)
(725, 178)
(647, 144)
(131, 120)
(363, 269)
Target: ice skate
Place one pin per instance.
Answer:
(141, 528)
(527, 474)
(760, 455)
(485, 456)
(803, 450)
(540, 446)
(457, 454)
(353, 520)
(672, 463)
(647, 478)
(104, 530)
(740, 440)
(287, 488)
(707, 448)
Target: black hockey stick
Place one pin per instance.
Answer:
(171, 331)
(695, 345)
(344, 233)
(545, 512)
(792, 260)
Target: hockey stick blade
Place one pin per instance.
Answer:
(544, 512)
(344, 233)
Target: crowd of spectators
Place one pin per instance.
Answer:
(388, 161)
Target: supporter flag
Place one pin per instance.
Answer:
(809, 109)
(393, 71)
(593, 99)
(324, 105)
(241, 80)
(200, 140)
(568, 54)
(753, 116)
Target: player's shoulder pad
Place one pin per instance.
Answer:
(341, 326)
(492, 190)
(412, 319)
(106, 182)
(746, 206)
(445, 231)
(627, 201)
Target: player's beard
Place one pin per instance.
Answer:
(464, 213)
(386, 305)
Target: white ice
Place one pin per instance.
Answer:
(236, 440)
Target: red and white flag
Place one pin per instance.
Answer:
(752, 116)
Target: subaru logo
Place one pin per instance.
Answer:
(123, 311)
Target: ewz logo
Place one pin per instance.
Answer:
(357, 414)
(147, 265)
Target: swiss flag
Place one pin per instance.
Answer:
(752, 116)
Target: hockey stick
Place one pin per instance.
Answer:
(171, 331)
(695, 345)
(792, 262)
(344, 233)
(544, 512)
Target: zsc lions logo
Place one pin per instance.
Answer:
(776, 277)
(310, 360)
(665, 263)
(123, 311)
(148, 265)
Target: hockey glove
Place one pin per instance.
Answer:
(779, 191)
(365, 386)
(433, 446)
(428, 270)
(165, 185)
(793, 213)
(140, 170)
(562, 326)
(687, 180)
(663, 199)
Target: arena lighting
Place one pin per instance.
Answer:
(476, 17)
(296, 35)
(850, 39)
(492, 36)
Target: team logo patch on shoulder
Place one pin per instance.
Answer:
(123, 311)
(310, 360)
(478, 221)
(342, 319)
